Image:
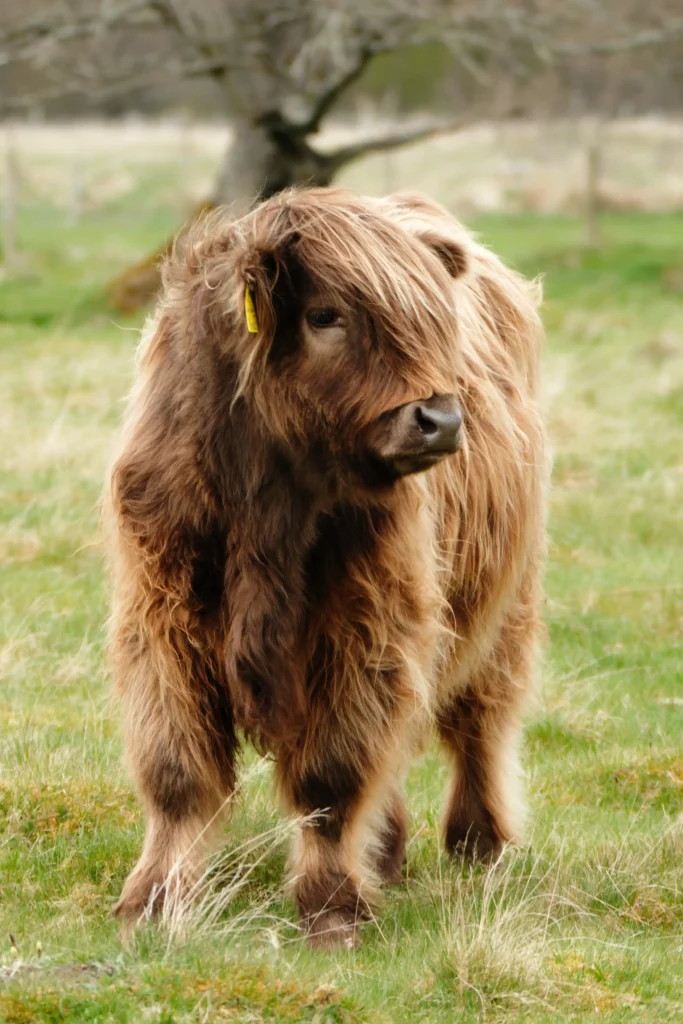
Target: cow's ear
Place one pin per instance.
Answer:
(451, 253)
(432, 225)
(267, 286)
(257, 283)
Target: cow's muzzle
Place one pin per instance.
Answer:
(416, 436)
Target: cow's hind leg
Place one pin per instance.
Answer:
(481, 730)
(356, 832)
(392, 837)
(181, 746)
(483, 806)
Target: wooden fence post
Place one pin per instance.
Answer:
(184, 156)
(592, 202)
(10, 194)
(75, 197)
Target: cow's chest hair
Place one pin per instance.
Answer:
(375, 629)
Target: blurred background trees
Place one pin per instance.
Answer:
(277, 70)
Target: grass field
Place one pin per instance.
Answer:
(586, 920)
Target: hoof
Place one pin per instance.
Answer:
(473, 842)
(138, 904)
(333, 930)
(145, 895)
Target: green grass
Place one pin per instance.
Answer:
(587, 918)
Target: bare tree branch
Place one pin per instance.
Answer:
(264, 53)
(23, 43)
(329, 98)
(104, 88)
(393, 140)
(669, 32)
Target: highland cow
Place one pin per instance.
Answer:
(327, 519)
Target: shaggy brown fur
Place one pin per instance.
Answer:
(278, 567)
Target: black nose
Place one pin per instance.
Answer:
(439, 427)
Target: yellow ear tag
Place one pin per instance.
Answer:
(250, 312)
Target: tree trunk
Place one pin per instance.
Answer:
(246, 170)
(264, 158)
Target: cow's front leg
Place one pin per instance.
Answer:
(182, 748)
(340, 782)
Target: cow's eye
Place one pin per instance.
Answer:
(323, 317)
